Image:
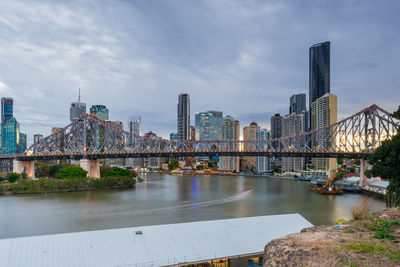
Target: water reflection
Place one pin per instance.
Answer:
(162, 199)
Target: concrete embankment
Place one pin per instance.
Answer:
(373, 241)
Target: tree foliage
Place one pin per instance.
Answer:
(71, 172)
(115, 172)
(385, 161)
(173, 164)
(12, 177)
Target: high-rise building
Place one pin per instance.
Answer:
(297, 104)
(22, 143)
(60, 135)
(100, 111)
(324, 113)
(184, 117)
(293, 124)
(208, 125)
(276, 126)
(7, 104)
(10, 136)
(230, 130)
(135, 125)
(249, 134)
(36, 137)
(77, 108)
(319, 72)
(263, 164)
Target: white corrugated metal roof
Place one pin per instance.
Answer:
(157, 245)
(379, 183)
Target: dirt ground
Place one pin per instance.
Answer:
(373, 241)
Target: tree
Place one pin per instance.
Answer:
(173, 164)
(71, 172)
(12, 177)
(116, 172)
(42, 169)
(385, 161)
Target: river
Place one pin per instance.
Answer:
(163, 199)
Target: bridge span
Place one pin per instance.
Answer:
(88, 138)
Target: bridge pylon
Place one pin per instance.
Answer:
(28, 165)
(92, 166)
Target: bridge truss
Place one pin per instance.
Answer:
(89, 137)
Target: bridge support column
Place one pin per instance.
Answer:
(92, 166)
(363, 167)
(29, 166)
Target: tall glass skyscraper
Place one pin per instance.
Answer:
(135, 125)
(297, 104)
(99, 111)
(184, 117)
(319, 72)
(6, 108)
(10, 137)
(208, 125)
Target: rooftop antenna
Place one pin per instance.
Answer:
(79, 97)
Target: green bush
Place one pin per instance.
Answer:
(173, 164)
(116, 172)
(71, 172)
(12, 177)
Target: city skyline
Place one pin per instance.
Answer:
(247, 72)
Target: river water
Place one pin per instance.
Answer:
(163, 199)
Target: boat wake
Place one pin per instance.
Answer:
(242, 195)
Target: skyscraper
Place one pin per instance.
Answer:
(7, 104)
(297, 104)
(249, 134)
(22, 143)
(293, 124)
(36, 137)
(263, 164)
(77, 108)
(184, 117)
(100, 111)
(10, 136)
(135, 125)
(324, 113)
(208, 125)
(319, 72)
(276, 126)
(230, 130)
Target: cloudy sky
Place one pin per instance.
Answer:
(245, 58)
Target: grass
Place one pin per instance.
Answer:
(362, 210)
(382, 228)
(374, 249)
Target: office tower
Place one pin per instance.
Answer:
(10, 136)
(7, 104)
(324, 113)
(173, 137)
(192, 133)
(293, 124)
(60, 136)
(263, 164)
(297, 104)
(100, 111)
(135, 125)
(77, 108)
(230, 130)
(319, 72)
(208, 125)
(36, 137)
(249, 134)
(22, 143)
(154, 162)
(184, 117)
(276, 126)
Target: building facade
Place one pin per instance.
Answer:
(319, 72)
(10, 137)
(135, 125)
(100, 111)
(37, 137)
(293, 124)
(249, 134)
(230, 130)
(7, 104)
(263, 164)
(208, 125)
(184, 117)
(276, 132)
(173, 137)
(324, 113)
(76, 109)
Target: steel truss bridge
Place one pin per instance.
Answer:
(88, 137)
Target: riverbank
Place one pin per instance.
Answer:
(374, 241)
(25, 186)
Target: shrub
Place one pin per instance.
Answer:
(71, 172)
(362, 210)
(116, 172)
(173, 164)
(12, 177)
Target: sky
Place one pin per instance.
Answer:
(245, 58)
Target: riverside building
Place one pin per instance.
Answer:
(184, 117)
(249, 134)
(230, 130)
(263, 164)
